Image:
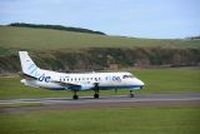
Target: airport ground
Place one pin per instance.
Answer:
(153, 117)
(169, 104)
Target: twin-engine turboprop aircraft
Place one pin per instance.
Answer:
(36, 77)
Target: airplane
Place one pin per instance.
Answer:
(41, 78)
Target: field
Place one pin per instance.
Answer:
(165, 80)
(156, 119)
(39, 39)
(148, 120)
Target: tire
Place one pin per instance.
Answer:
(96, 96)
(75, 97)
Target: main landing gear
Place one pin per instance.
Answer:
(75, 96)
(131, 94)
(96, 94)
(96, 91)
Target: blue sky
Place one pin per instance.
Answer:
(136, 18)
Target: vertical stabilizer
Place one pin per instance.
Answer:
(27, 64)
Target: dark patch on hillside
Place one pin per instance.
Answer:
(194, 38)
(57, 27)
(104, 58)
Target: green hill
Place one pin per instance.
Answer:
(46, 39)
(63, 50)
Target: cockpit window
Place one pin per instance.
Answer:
(127, 76)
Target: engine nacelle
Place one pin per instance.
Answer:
(87, 86)
(81, 87)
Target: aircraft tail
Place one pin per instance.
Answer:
(28, 66)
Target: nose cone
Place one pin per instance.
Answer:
(140, 83)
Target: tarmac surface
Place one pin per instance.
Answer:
(87, 102)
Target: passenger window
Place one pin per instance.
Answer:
(125, 76)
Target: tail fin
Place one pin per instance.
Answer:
(28, 66)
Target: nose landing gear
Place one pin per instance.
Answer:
(75, 96)
(131, 94)
(96, 95)
(96, 91)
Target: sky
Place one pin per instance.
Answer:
(134, 18)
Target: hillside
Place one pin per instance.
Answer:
(45, 39)
(66, 51)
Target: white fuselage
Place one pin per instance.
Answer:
(87, 81)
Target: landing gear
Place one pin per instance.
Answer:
(96, 91)
(75, 96)
(131, 94)
(96, 95)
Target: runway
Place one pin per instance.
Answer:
(87, 102)
(108, 99)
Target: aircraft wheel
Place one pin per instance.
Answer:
(131, 94)
(75, 97)
(96, 96)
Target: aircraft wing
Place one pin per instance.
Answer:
(73, 86)
(67, 84)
